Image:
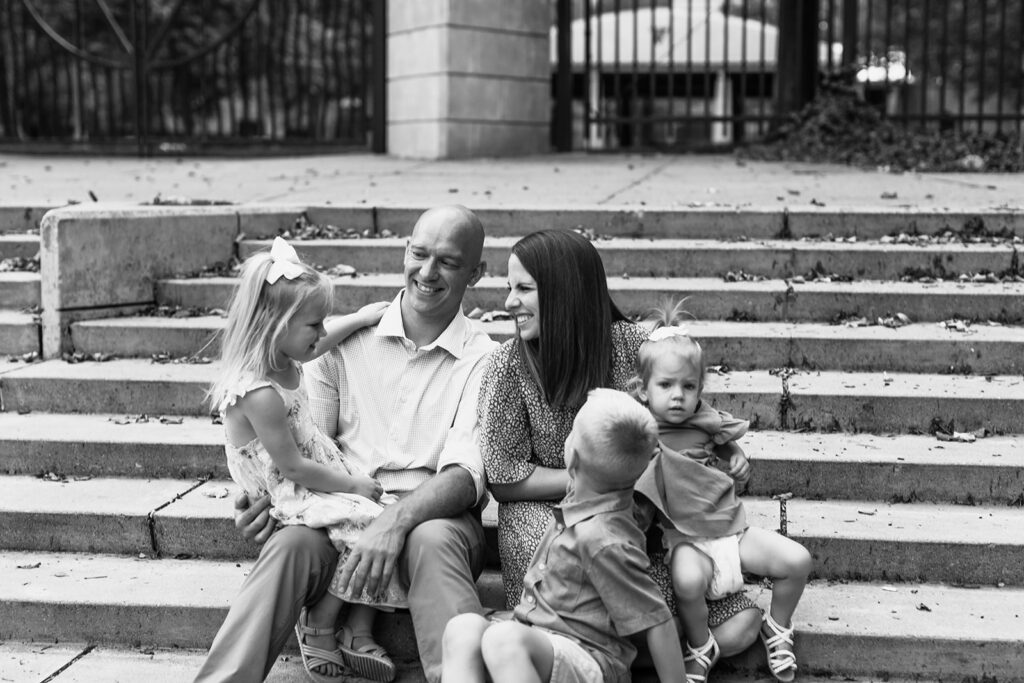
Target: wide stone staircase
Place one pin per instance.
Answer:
(878, 356)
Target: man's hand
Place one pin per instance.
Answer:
(254, 521)
(373, 558)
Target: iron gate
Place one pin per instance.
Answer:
(685, 74)
(182, 76)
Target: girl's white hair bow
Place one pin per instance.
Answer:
(668, 332)
(283, 261)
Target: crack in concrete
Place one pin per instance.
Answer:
(650, 174)
(68, 665)
(151, 517)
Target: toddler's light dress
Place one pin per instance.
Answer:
(343, 515)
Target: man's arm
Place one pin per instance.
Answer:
(374, 556)
(322, 382)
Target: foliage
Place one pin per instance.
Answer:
(839, 127)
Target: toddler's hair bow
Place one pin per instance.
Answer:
(668, 332)
(283, 261)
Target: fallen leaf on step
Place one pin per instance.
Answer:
(172, 420)
(924, 608)
(219, 492)
(30, 566)
(866, 512)
(960, 437)
(341, 270)
(889, 589)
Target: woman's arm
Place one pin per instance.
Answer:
(546, 483)
(339, 328)
(266, 413)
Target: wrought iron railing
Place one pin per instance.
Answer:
(680, 74)
(186, 75)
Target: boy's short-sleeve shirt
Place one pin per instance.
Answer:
(588, 580)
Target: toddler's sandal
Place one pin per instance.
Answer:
(782, 663)
(315, 657)
(370, 661)
(706, 656)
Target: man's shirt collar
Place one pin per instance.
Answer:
(452, 340)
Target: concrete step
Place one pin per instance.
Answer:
(19, 333)
(707, 298)
(919, 347)
(698, 221)
(849, 539)
(19, 289)
(19, 246)
(83, 663)
(674, 257)
(145, 602)
(924, 631)
(21, 218)
(105, 445)
(809, 465)
(817, 401)
(129, 386)
(896, 468)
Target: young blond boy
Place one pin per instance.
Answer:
(587, 588)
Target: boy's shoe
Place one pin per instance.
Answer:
(370, 661)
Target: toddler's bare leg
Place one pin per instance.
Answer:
(787, 563)
(461, 659)
(324, 614)
(691, 577)
(516, 653)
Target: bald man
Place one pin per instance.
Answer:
(400, 399)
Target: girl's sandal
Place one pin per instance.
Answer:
(371, 660)
(782, 663)
(706, 656)
(315, 657)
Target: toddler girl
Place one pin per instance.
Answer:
(276, 323)
(690, 485)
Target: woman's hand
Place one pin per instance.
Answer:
(254, 521)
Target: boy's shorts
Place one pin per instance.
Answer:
(572, 663)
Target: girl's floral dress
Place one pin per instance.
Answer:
(343, 515)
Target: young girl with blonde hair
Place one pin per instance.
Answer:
(275, 324)
(689, 487)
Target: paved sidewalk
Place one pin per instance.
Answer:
(563, 181)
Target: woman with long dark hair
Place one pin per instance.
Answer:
(570, 338)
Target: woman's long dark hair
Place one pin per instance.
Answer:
(574, 352)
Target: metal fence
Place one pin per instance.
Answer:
(684, 74)
(180, 76)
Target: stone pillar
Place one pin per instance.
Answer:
(468, 78)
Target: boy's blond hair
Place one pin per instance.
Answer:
(616, 438)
